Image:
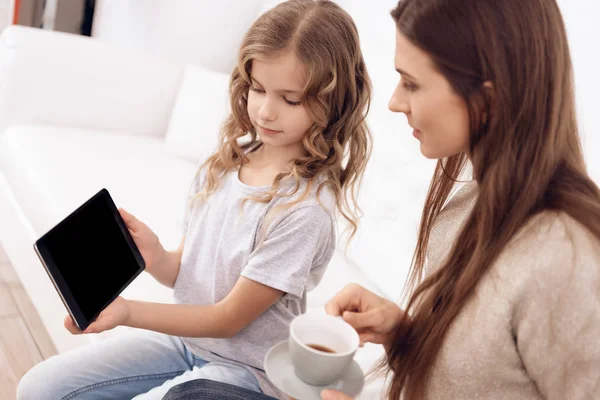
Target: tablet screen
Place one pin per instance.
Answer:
(92, 254)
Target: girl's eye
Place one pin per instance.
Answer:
(262, 91)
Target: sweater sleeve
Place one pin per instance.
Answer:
(556, 321)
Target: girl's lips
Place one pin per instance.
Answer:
(268, 131)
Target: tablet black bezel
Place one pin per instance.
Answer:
(55, 275)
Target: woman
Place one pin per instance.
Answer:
(506, 273)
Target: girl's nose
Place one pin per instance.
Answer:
(267, 111)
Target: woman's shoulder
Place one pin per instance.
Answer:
(552, 257)
(552, 276)
(558, 231)
(552, 246)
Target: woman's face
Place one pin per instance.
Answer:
(437, 114)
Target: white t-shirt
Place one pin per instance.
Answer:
(221, 244)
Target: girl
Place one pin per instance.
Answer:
(259, 231)
(508, 306)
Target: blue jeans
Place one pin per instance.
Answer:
(211, 390)
(142, 365)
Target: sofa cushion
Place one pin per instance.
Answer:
(200, 109)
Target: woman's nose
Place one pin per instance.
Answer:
(398, 102)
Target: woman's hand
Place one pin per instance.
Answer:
(374, 318)
(112, 316)
(145, 239)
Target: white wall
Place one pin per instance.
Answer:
(583, 31)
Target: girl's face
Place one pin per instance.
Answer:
(274, 106)
(437, 114)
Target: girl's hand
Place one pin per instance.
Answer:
(374, 318)
(334, 395)
(112, 316)
(146, 240)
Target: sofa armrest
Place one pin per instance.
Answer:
(79, 82)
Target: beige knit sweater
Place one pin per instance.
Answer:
(532, 328)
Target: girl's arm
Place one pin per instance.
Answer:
(246, 302)
(166, 267)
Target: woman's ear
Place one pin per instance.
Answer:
(489, 94)
(488, 85)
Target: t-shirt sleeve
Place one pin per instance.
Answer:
(297, 247)
(194, 188)
(557, 322)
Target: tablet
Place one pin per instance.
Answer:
(90, 258)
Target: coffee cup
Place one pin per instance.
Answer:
(321, 347)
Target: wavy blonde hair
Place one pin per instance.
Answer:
(337, 96)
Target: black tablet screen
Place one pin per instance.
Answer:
(92, 255)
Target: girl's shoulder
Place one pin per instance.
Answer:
(315, 206)
(310, 194)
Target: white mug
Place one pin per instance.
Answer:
(321, 348)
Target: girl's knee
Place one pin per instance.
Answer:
(41, 382)
(29, 386)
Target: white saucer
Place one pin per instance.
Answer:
(279, 369)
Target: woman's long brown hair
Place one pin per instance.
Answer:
(524, 147)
